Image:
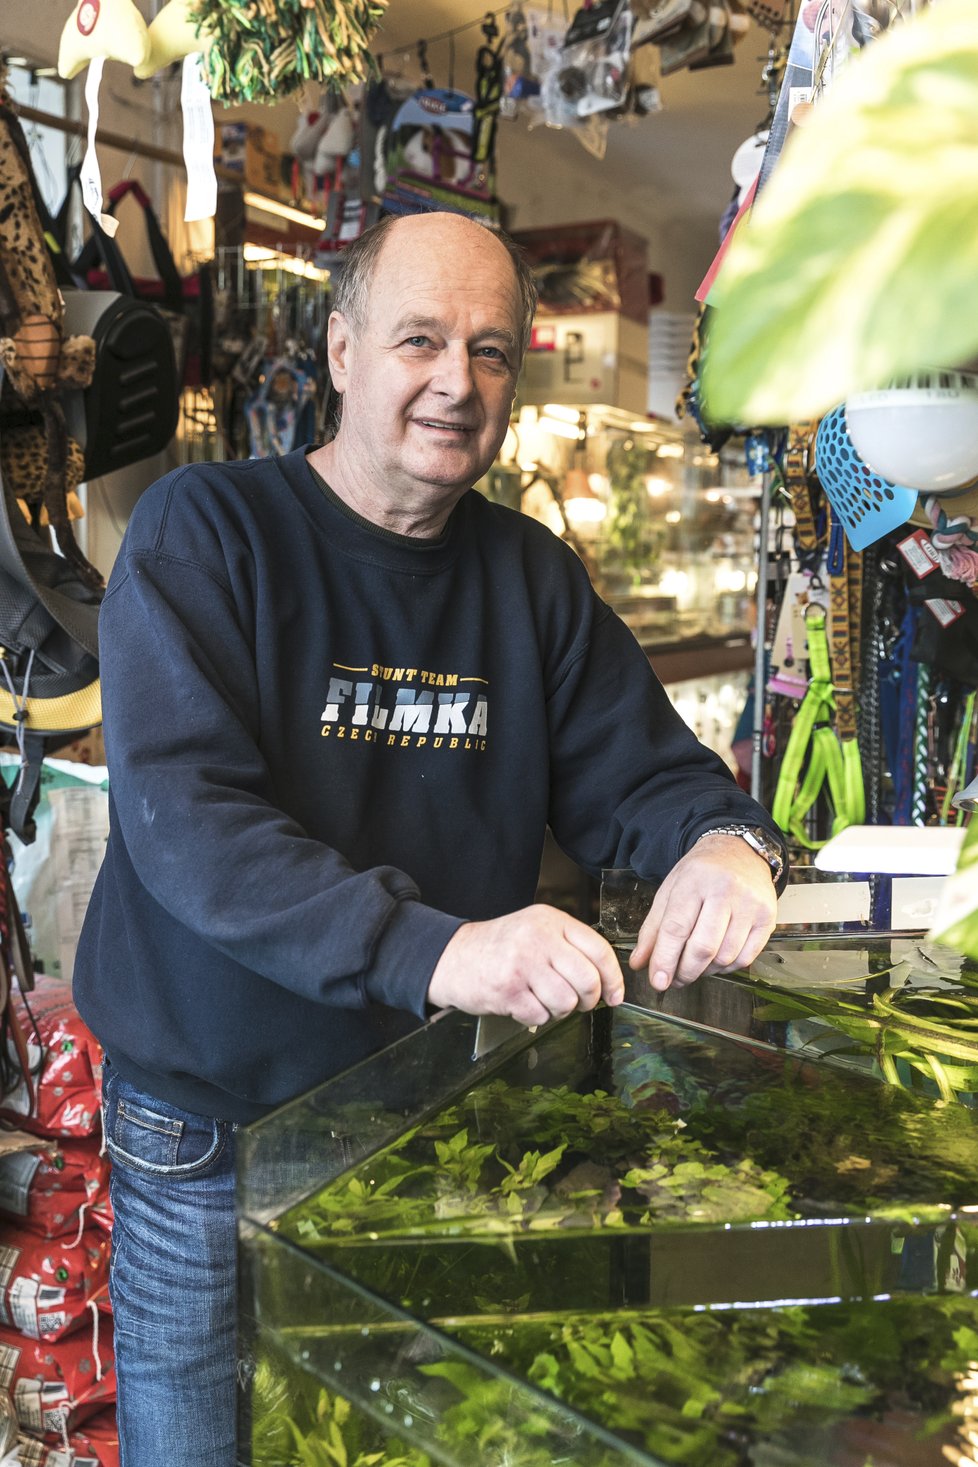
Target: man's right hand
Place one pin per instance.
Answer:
(533, 965)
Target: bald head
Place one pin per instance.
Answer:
(435, 235)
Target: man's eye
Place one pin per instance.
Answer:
(493, 352)
(418, 341)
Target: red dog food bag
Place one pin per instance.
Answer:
(46, 1283)
(55, 1387)
(66, 1066)
(100, 1437)
(49, 1191)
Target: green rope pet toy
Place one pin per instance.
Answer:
(262, 50)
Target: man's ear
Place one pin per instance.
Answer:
(338, 341)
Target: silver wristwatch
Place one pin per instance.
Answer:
(759, 840)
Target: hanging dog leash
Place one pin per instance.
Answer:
(813, 737)
(845, 596)
(824, 728)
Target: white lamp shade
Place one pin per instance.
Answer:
(923, 434)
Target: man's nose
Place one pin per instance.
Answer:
(454, 375)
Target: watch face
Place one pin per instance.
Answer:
(769, 848)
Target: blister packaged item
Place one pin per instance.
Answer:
(593, 71)
(66, 1066)
(49, 1191)
(46, 1284)
(556, 110)
(55, 1387)
(532, 46)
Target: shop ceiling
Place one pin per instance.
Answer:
(675, 163)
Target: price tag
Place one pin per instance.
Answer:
(919, 553)
(198, 142)
(91, 177)
(947, 612)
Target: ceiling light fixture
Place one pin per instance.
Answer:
(561, 413)
(283, 211)
(558, 427)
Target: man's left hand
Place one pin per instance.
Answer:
(713, 913)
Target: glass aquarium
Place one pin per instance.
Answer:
(898, 1007)
(625, 1238)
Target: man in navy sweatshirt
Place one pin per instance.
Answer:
(344, 696)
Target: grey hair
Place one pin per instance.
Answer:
(351, 291)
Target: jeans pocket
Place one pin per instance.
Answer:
(151, 1135)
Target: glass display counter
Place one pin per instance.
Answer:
(626, 1238)
(667, 531)
(666, 528)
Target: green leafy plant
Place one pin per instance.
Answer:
(632, 539)
(931, 1032)
(600, 1163)
(860, 258)
(298, 1423)
(700, 1388)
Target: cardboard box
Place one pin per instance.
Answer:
(587, 358)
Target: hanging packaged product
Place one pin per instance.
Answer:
(429, 158)
(49, 1192)
(41, 361)
(593, 72)
(46, 1285)
(66, 1064)
(56, 1387)
(532, 51)
(281, 412)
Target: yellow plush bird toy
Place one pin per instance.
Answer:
(111, 28)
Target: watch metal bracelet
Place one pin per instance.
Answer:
(757, 839)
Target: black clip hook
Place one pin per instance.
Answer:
(489, 28)
(429, 80)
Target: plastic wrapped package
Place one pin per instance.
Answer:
(66, 1061)
(594, 266)
(53, 877)
(50, 1192)
(55, 1387)
(593, 69)
(46, 1284)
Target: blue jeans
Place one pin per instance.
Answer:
(173, 1279)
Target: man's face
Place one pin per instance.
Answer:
(428, 382)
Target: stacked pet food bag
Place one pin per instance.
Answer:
(57, 1380)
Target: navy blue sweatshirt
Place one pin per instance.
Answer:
(328, 746)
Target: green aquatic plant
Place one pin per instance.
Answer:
(296, 1422)
(632, 538)
(700, 1389)
(611, 1165)
(695, 1389)
(932, 1032)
